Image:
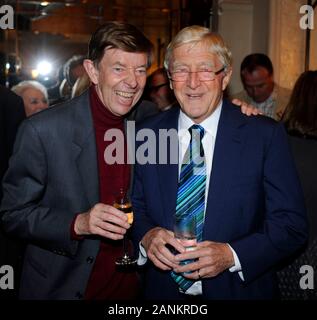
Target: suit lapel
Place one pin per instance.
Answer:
(84, 149)
(168, 175)
(228, 145)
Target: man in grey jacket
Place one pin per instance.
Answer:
(58, 189)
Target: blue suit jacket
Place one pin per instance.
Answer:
(255, 204)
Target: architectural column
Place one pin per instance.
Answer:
(286, 41)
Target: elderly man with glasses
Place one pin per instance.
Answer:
(234, 192)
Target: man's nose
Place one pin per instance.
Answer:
(193, 80)
(131, 79)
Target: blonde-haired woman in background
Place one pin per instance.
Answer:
(34, 95)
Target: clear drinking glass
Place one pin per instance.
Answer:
(123, 203)
(185, 233)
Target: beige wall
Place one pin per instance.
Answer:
(286, 41)
(244, 26)
(270, 27)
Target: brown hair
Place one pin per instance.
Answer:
(300, 116)
(118, 35)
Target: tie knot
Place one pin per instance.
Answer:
(196, 130)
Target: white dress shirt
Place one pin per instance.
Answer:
(211, 126)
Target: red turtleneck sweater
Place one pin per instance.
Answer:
(105, 281)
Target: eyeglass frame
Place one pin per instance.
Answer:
(189, 72)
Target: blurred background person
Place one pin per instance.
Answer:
(300, 120)
(260, 90)
(11, 115)
(34, 95)
(72, 70)
(81, 84)
(54, 90)
(158, 90)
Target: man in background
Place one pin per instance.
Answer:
(159, 91)
(260, 90)
(11, 115)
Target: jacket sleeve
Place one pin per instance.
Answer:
(142, 222)
(22, 213)
(285, 226)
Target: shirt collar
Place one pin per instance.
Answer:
(210, 124)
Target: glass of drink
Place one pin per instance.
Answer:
(185, 233)
(123, 203)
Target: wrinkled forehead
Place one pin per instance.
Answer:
(118, 55)
(195, 53)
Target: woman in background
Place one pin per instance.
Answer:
(34, 95)
(300, 120)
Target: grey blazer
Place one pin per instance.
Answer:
(52, 176)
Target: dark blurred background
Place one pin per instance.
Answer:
(47, 33)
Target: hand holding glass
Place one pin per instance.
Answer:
(185, 233)
(123, 203)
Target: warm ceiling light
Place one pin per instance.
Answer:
(44, 3)
(34, 73)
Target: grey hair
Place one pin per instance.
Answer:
(198, 34)
(23, 85)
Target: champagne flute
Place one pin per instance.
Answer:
(123, 203)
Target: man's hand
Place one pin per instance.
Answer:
(102, 220)
(246, 108)
(212, 259)
(154, 242)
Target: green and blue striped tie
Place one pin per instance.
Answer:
(190, 203)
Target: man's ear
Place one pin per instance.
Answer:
(91, 70)
(226, 79)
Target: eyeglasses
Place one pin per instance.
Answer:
(203, 75)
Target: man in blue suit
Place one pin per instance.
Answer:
(253, 210)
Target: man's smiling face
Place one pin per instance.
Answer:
(197, 98)
(120, 78)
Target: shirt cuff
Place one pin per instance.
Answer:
(142, 258)
(237, 264)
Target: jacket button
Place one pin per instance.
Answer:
(90, 260)
(78, 295)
